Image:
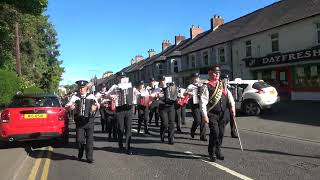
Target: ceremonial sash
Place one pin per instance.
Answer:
(216, 96)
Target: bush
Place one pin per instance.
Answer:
(32, 90)
(9, 85)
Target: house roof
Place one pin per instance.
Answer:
(272, 16)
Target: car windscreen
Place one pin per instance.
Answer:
(260, 85)
(34, 102)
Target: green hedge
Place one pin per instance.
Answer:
(9, 85)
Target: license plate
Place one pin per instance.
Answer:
(35, 116)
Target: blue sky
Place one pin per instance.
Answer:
(101, 35)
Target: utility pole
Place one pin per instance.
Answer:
(18, 61)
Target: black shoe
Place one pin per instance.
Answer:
(90, 161)
(184, 123)
(171, 142)
(129, 152)
(192, 135)
(203, 139)
(157, 125)
(213, 158)
(147, 132)
(120, 145)
(220, 156)
(179, 131)
(80, 155)
(162, 139)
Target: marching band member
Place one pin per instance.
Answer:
(214, 100)
(229, 119)
(153, 109)
(85, 106)
(123, 96)
(166, 108)
(102, 101)
(180, 109)
(193, 91)
(143, 107)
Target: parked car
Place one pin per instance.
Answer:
(252, 96)
(34, 117)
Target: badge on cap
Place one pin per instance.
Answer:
(82, 83)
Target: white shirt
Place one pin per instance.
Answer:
(194, 89)
(74, 98)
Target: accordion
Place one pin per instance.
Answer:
(124, 96)
(83, 107)
(145, 100)
(110, 105)
(183, 101)
(171, 92)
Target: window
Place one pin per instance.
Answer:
(205, 58)
(187, 62)
(175, 66)
(193, 61)
(160, 67)
(306, 76)
(222, 58)
(248, 48)
(318, 32)
(275, 42)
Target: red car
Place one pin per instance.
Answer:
(34, 117)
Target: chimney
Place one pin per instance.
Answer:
(179, 38)
(138, 58)
(151, 52)
(165, 44)
(194, 31)
(216, 21)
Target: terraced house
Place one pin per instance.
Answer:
(279, 43)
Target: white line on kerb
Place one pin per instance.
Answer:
(234, 173)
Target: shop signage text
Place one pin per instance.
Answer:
(284, 58)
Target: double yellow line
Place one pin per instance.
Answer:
(35, 168)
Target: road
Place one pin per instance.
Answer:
(264, 157)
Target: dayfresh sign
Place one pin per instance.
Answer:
(284, 58)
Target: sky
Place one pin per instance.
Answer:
(101, 35)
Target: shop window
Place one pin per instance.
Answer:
(222, 58)
(307, 76)
(160, 66)
(318, 32)
(205, 57)
(248, 49)
(275, 42)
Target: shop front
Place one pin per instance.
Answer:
(295, 75)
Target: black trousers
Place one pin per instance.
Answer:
(167, 115)
(124, 119)
(180, 115)
(216, 126)
(84, 130)
(111, 125)
(197, 120)
(143, 114)
(103, 119)
(153, 109)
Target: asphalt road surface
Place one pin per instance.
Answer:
(264, 157)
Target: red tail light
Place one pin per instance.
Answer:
(260, 91)
(5, 117)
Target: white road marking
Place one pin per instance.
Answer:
(20, 167)
(234, 173)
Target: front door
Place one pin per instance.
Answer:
(283, 78)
